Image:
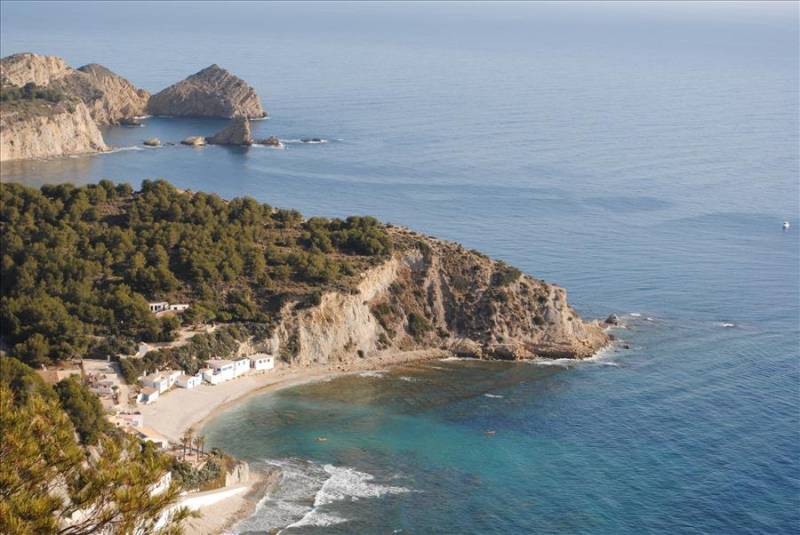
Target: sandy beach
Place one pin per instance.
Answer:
(181, 409)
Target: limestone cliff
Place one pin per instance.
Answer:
(109, 97)
(20, 69)
(212, 92)
(42, 130)
(435, 294)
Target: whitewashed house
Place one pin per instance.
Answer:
(157, 381)
(261, 362)
(159, 306)
(172, 377)
(148, 395)
(219, 371)
(241, 366)
(189, 381)
(178, 307)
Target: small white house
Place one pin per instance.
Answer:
(219, 371)
(261, 362)
(159, 306)
(172, 377)
(241, 366)
(157, 381)
(148, 395)
(189, 381)
(179, 307)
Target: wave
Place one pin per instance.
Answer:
(635, 315)
(408, 379)
(495, 396)
(373, 373)
(123, 149)
(275, 147)
(305, 141)
(290, 505)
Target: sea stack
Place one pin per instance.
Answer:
(212, 92)
(236, 133)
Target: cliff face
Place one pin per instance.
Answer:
(42, 130)
(212, 92)
(20, 69)
(435, 294)
(90, 96)
(109, 97)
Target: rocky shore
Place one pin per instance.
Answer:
(82, 100)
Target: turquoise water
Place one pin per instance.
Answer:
(642, 156)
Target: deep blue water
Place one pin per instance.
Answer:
(642, 156)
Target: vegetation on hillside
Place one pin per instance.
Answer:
(51, 483)
(30, 91)
(79, 264)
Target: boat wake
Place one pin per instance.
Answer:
(306, 493)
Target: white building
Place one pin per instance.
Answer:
(159, 306)
(161, 381)
(156, 381)
(219, 371)
(189, 381)
(260, 362)
(241, 366)
(180, 307)
(148, 395)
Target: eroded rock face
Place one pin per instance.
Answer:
(435, 294)
(212, 92)
(25, 67)
(49, 130)
(236, 133)
(111, 99)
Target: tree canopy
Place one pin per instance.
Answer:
(50, 483)
(79, 264)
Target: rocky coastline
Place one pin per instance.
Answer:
(82, 100)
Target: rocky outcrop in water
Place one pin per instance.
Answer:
(194, 141)
(212, 92)
(436, 294)
(236, 133)
(43, 130)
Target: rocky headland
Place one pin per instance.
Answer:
(434, 294)
(50, 109)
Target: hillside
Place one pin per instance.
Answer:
(80, 265)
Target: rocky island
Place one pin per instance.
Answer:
(211, 92)
(50, 109)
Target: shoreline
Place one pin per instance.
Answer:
(169, 417)
(180, 409)
(177, 412)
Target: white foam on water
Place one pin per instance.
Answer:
(122, 149)
(635, 315)
(497, 396)
(305, 491)
(275, 147)
(372, 373)
(407, 379)
(727, 325)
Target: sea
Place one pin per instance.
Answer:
(642, 155)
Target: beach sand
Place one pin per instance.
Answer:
(181, 409)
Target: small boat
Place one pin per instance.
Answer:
(786, 225)
(489, 433)
(322, 439)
